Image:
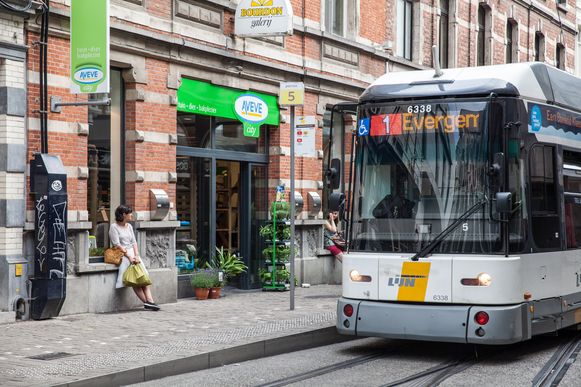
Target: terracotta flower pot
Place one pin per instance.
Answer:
(215, 293)
(202, 293)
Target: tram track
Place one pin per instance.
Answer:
(327, 369)
(558, 365)
(435, 375)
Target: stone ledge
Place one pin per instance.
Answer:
(323, 253)
(95, 268)
(29, 226)
(157, 225)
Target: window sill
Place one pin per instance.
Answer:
(562, 7)
(95, 268)
(29, 226)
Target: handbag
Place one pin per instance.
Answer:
(135, 276)
(114, 255)
(339, 242)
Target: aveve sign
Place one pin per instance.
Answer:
(251, 108)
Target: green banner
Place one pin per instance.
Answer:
(89, 46)
(252, 109)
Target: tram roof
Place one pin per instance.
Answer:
(534, 80)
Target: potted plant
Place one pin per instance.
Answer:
(228, 263)
(202, 281)
(218, 284)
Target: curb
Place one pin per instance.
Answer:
(241, 353)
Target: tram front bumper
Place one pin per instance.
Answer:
(436, 322)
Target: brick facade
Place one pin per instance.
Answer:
(156, 42)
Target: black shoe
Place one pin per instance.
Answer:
(151, 306)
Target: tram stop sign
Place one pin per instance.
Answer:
(291, 94)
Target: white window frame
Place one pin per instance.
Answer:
(405, 29)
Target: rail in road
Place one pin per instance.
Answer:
(550, 375)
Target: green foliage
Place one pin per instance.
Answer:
(96, 251)
(227, 262)
(203, 279)
(266, 231)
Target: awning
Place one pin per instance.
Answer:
(248, 107)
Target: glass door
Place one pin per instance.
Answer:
(192, 205)
(228, 184)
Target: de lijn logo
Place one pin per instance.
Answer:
(536, 119)
(88, 75)
(252, 111)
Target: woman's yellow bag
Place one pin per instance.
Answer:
(135, 276)
(114, 255)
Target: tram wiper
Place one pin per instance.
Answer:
(441, 236)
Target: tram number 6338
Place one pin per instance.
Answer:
(419, 108)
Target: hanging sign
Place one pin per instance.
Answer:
(252, 111)
(89, 46)
(263, 18)
(305, 133)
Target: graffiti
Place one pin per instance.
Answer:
(41, 229)
(59, 239)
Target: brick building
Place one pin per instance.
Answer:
(217, 180)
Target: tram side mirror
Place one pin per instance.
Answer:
(337, 203)
(497, 169)
(504, 202)
(333, 174)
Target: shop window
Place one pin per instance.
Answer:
(339, 17)
(545, 219)
(105, 155)
(230, 136)
(192, 207)
(539, 47)
(196, 131)
(404, 28)
(443, 32)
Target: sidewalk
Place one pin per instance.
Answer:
(187, 335)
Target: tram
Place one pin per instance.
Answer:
(464, 218)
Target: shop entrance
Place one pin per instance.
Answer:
(228, 206)
(228, 216)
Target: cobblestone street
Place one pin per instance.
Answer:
(81, 346)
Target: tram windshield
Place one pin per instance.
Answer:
(419, 168)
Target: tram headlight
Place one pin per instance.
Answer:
(356, 277)
(484, 279)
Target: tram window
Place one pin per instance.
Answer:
(572, 185)
(545, 219)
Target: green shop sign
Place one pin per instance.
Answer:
(252, 109)
(89, 46)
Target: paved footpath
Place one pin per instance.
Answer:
(84, 346)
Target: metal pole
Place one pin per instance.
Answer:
(292, 209)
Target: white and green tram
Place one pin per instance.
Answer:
(464, 220)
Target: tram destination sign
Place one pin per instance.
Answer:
(563, 126)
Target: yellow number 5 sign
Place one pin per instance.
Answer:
(291, 94)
